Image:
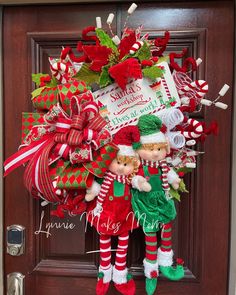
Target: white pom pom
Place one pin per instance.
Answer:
(132, 8)
(190, 165)
(190, 142)
(99, 22)
(223, 90)
(206, 102)
(198, 61)
(116, 40)
(110, 18)
(221, 105)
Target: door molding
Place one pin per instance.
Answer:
(232, 270)
(1, 162)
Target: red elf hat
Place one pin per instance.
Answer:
(128, 140)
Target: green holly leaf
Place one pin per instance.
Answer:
(143, 53)
(105, 40)
(153, 72)
(182, 187)
(105, 78)
(36, 78)
(87, 75)
(184, 170)
(37, 92)
(52, 83)
(163, 58)
(175, 194)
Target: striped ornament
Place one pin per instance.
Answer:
(189, 89)
(196, 89)
(197, 127)
(135, 47)
(59, 70)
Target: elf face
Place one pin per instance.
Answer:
(121, 167)
(153, 152)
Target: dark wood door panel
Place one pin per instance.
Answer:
(59, 264)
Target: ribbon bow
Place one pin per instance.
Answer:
(70, 135)
(77, 136)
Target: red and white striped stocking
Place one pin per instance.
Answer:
(105, 252)
(121, 253)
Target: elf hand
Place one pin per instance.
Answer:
(175, 183)
(173, 179)
(140, 183)
(97, 210)
(89, 197)
(93, 191)
(144, 186)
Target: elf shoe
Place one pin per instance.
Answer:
(104, 278)
(151, 274)
(123, 281)
(165, 260)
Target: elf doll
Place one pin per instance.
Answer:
(111, 212)
(155, 210)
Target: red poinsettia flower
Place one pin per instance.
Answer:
(122, 72)
(99, 56)
(126, 43)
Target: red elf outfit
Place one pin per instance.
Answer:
(111, 213)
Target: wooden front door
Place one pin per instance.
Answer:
(57, 263)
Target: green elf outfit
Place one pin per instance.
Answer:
(155, 210)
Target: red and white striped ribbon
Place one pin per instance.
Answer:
(24, 155)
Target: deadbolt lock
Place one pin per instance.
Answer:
(15, 240)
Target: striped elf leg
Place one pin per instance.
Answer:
(150, 263)
(123, 281)
(166, 237)
(105, 268)
(121, 253)
(165, 256)
(105, 252)
(151, 247)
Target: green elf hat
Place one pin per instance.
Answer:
(150, 127)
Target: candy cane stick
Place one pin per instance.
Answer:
(198, 129)
(58, 69)
(136, 46)
(199, 87)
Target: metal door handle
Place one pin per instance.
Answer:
(15, 284)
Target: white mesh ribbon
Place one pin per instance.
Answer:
(176, 139)
(171, 118)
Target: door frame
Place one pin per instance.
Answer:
(232, 266)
